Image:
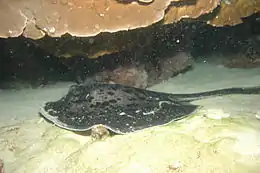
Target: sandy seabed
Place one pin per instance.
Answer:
(222, 136)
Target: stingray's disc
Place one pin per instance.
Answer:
(119, 108)
(70, 127)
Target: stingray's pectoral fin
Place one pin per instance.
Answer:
(47, 111)
(178, 110)
(58, 118)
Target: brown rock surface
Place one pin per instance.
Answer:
(99, 21)
(134, 75)
(243, 62)
(96, 46)
(189, 9)
(231, 12)
(35, 18)
(146, 75)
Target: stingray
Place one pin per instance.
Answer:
(123, 109)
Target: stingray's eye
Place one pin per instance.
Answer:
(49, 105)
(75, 90)
(73, 87)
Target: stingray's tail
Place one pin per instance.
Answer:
(220, 92)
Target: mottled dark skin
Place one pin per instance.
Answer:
(124, 109)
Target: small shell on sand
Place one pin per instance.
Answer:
(174, 166)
